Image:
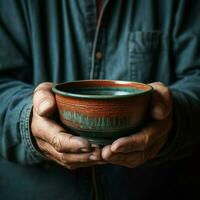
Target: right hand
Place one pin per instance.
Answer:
(52, 139)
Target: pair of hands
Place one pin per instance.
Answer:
(74, 152)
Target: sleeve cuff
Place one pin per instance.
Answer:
(33, 156)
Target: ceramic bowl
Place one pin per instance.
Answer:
(103, 110)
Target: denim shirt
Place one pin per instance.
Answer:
(59, 41)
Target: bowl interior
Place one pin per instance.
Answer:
(101, 89)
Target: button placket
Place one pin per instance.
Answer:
(97, 53)
(99, 56)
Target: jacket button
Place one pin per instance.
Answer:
(99, 55)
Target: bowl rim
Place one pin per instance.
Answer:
(88, 96)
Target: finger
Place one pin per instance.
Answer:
(161, 101)
(144, 139)
(49, 131)
(135, 159)
(79, 158)
(155, 148)
(106, 152)
(130, 160)
(124, 159)
(80, 165)
(70, 160)
(43, 100)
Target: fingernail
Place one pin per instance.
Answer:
(44, 106)
(93, 157)
(84, 150)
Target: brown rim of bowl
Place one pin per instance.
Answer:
(145, 88)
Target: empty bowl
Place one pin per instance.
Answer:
(103, 110)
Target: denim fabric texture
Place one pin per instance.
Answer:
(59, 41)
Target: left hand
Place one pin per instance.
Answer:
(140, 147)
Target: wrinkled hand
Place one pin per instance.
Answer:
(52, 139)
(136, 149)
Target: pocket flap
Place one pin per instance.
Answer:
(143, 42)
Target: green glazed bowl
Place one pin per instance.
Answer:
(103, 110)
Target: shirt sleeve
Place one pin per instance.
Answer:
(184, 139)
(15, 86)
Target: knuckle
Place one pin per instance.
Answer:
(38, 92)
(43, 99)
(145, 143)
(159, 83)
(69, 139)
(62, 159)
(39, 95)
(166, 92)
(132, 142)
(43, 85)
(56, 143)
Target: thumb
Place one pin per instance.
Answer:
(43, 99)
(161, 105)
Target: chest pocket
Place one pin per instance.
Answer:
(143, 51)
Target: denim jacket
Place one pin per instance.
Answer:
(59, 41)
